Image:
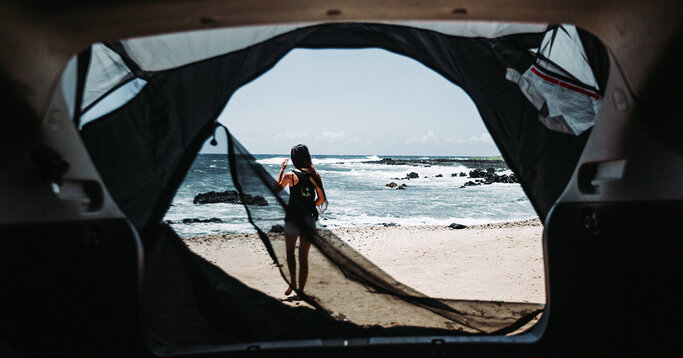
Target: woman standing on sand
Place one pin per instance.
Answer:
(304, 184)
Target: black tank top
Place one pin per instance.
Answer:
(301, 198)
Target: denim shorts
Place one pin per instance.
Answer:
(292, 229)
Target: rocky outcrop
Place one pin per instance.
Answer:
(470, 183)
(507, 179)
(401, 187)
(230, 197)
(277, 228)
(411, 175)
(389, 224)
(468, 162)
(489, 177)
(456, 226)
(482, 176)
(478, 173)
(194, 221)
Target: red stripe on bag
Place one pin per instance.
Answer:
(555, 81)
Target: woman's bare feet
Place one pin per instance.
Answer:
(289, 290)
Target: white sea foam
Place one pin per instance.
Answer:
(197, 229)
(273, 160)
(319, 161)
(394, 171)
(367, 220)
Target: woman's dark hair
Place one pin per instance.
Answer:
(301, 159)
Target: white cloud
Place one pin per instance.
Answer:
(484, 137)
(330, 136)
(288, 135)
(422, 138)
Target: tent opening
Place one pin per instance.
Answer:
(414, 182)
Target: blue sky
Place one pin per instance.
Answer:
(367, 101)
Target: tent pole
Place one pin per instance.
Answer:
(83, 63)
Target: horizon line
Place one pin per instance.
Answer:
(379, 155)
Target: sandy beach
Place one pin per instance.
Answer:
(494, 262)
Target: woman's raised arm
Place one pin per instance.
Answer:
(283, 180)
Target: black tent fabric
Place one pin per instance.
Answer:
(143, 150)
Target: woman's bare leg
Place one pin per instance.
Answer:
(304, 246)
(290, 245)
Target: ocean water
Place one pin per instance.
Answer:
(357, 195)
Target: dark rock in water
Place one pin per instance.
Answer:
(508, 179)
(388, 224)
(388, 161)
(454, 174)
(471, 183)
(490, 176)
(401, 187)
(477, 173)
(463, 174)
(457, 226)
(277, 228)
(195, 220)
(481, 163)
(493, 178)
(438, 176)
(392, 185)
(256, 200)
(228, 196)
(412, 175)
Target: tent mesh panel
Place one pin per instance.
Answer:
(339, 274)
